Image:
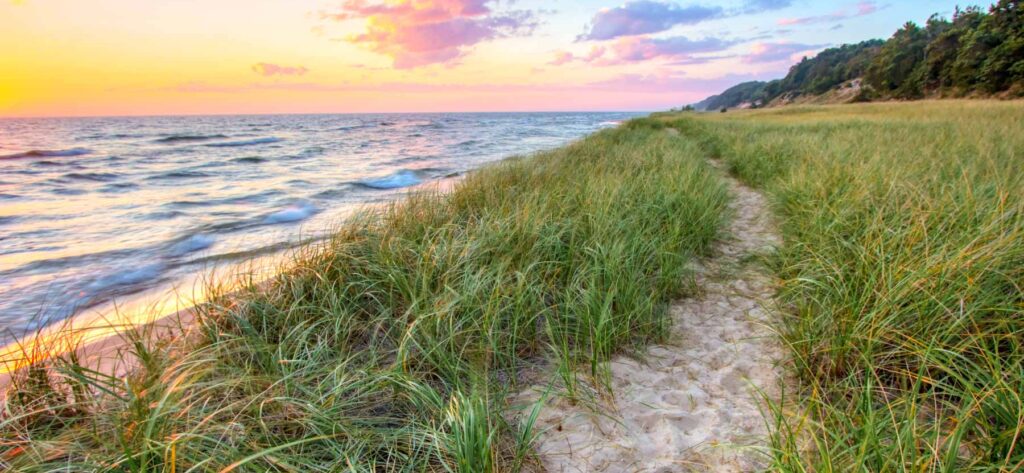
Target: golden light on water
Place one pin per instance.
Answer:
(160, 311)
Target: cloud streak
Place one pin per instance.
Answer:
(775, 52)
(634, 49)
(417, 33)
(860, 9)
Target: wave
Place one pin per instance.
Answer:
(403, 178)
(129, 277)
(352, 127)
(119, 187)
(47, 153)
(231, 200)
(116, 136)
(63, 191)
(178, 175)
(255, 141)
(190, 138)
(62, 262)
(308, 153)
(47, 162)
(163, 215)
(293, 213)
(331, 194)
(250, 160)
(193, 243)
(92, 176)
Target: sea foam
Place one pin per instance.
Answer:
(193, 243)
(293, 213)
(403, 178)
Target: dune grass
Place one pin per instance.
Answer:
(903, 267)
(395, 345)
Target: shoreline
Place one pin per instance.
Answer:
(97, 333)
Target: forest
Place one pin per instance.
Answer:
(976, 53)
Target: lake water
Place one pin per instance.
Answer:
(98, 209)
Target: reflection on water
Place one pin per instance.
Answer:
(105, 209)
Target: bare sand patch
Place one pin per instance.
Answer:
(694, 403)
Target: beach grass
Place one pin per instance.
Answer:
(397, 344)
(902, 273)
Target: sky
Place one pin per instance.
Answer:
(169, 57)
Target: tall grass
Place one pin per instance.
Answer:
(903, 266)
(394, 346)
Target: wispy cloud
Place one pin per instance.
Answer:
(860, 9)
(668, 82)
(634, 49)
(758, 6)
(775, 52)
(646, 16)
(421, 32)
(267, 69)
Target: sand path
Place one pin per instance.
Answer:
(692, 404)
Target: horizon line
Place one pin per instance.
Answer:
(183, 115)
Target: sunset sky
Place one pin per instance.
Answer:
(144, 57)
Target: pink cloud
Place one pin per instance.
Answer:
(421, 32)
(775, 52)
(269, 70)
(860, 9)
(642, 48)
(595, 53)
(562, 57)
(595, 56)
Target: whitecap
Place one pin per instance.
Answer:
(195, 242)
(292, 213)
(128, 277)
(403, 178)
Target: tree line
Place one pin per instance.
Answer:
(975, 53)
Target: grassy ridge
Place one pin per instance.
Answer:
(903, 265)
(394, 346)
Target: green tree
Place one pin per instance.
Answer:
(894, 71)
(1004, 64)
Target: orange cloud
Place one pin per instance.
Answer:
(268, 70)
(420, 32)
